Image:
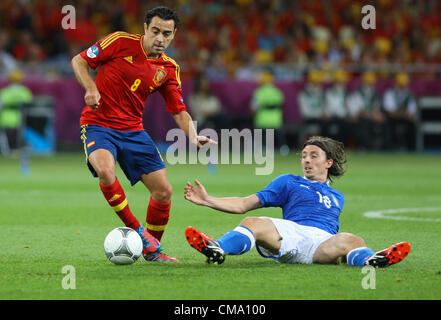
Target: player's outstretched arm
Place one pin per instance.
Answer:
(185, 122)
(237, 205)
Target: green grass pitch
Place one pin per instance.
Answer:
(57, 216)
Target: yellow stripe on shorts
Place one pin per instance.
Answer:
(83, 137)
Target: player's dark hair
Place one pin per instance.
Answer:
(334, 150)
(164, 13)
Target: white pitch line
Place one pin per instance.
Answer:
(382, 214)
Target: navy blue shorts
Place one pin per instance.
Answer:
(135, 151)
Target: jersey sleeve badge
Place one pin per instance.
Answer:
(93, 52)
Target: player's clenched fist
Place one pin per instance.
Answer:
(92, 98)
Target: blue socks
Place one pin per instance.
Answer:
(237, 241)
(358, 256)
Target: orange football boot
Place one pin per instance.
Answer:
(205, 245)
(389, 256)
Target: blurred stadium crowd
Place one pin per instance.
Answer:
(319, 43)
(235, 38)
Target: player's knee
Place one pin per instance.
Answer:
(256, 224)
(106, 174)
(163, 194)
(251, 223)
(348, 241)
(337, 246)
(264, 231)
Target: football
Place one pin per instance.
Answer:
(123, 246)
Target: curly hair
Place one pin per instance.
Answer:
(334, 150)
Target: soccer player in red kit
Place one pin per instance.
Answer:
(131, 67)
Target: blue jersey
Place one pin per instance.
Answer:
(305, 202)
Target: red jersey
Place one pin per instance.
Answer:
(125, 78)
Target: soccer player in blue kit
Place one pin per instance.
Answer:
(308, 232)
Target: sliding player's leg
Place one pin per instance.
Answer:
(237, 241)
(353, 249)
(261, 231)
(338, 246)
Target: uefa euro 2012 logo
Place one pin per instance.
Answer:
(93, 52)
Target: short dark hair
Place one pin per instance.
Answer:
(164, 13)
(334, 150)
